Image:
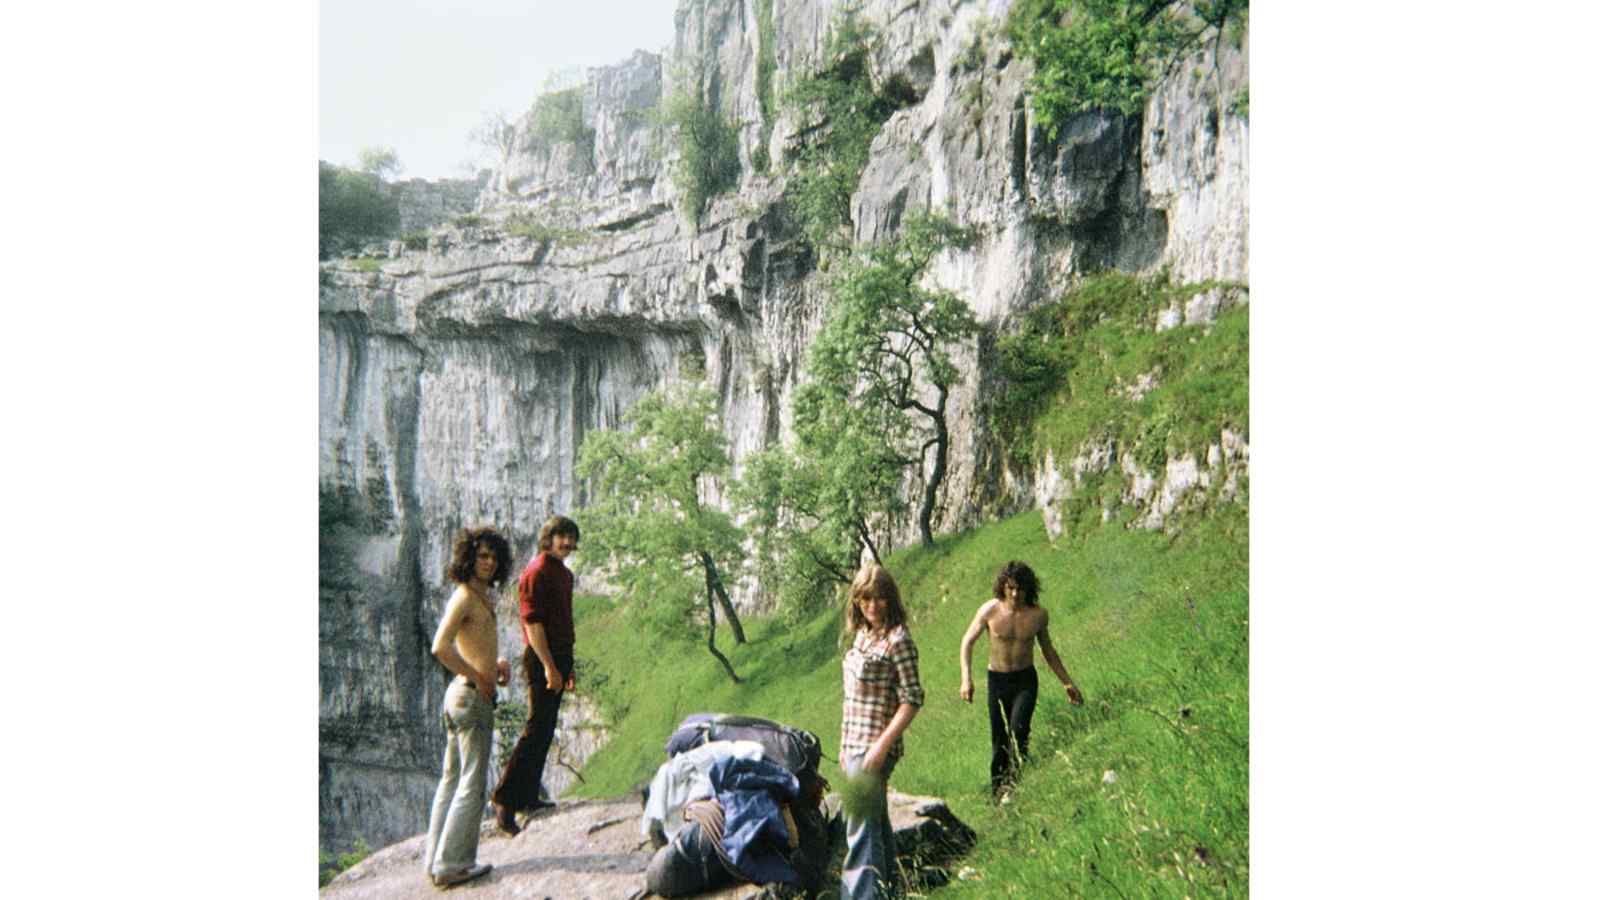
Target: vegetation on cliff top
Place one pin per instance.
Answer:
(1112, 54)
(1092, 368)
(353, 208)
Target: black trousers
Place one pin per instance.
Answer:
(1012, 696)
(519, 783)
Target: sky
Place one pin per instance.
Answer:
(418, 76)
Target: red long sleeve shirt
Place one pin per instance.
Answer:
(544, 593)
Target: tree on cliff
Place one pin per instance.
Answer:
(881, 364)
(352, 208)
(646, 519)
(380, 161)
(874, 408)
(497, 134)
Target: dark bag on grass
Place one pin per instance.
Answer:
(795, 749)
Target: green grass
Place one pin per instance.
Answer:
(524, 224)
(329, 865)
(1072, 371)
(1153, 629)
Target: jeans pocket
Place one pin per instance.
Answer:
(459, 705)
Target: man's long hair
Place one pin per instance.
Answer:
(464, 557)
(1027, 582)
(556, 525)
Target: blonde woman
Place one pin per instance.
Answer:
(882, 694)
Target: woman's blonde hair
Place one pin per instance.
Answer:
(872, 581)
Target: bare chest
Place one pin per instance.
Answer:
(1015, 625)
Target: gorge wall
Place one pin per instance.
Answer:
(458, 379)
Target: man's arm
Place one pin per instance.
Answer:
(533, 592)
(979, 623)
(444, 645)
(541, 649)
(1053, 660)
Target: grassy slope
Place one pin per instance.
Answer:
(1167, 711)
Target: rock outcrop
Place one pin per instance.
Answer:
(428, 204)
(458, 379)
(591, 850)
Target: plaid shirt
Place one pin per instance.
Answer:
(879, 675)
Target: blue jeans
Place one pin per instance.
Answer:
(869, 866)
(458, 804)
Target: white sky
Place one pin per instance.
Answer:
(417, 76)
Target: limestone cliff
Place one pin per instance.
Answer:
(458, 379)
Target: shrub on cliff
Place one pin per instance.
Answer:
(840, 114)
(353, 208)
(708, 145)
(1112, 54)
(557, 117)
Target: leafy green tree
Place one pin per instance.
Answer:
(352, 208)
(646, 517)
(380, 161)
(811, 511)
(1112, 54)
(881, 366)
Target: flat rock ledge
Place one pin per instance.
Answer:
(592, 850)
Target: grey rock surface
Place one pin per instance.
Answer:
(427, 204)
(457, 381)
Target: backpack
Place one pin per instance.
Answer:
(795, 749)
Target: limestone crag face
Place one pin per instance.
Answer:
(458, 378)
(426, 204)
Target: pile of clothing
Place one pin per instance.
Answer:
(738, 800)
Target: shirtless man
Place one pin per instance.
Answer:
(466, 643)
(1014, 619)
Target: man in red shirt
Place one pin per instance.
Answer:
(545, 595)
